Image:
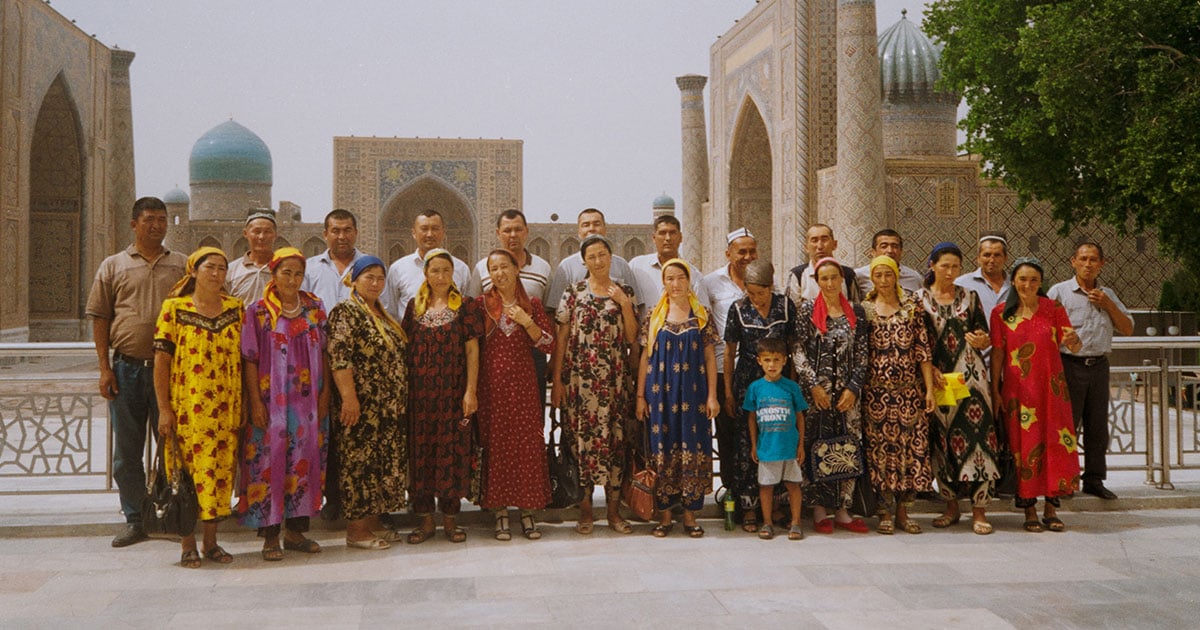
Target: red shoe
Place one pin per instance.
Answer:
(823, 526)
(856, 525)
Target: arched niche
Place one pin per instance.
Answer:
(750, 177)
(428, 192)
(313, 247)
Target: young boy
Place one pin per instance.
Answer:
(776, 409)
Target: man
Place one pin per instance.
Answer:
(648, 267)
(511, 233)
(988, 281)
(818, 243)
(571, 269)
(249, 275)
(724, 287)
(124, 303)
(324, 273)
(1095, 312)
(406, 275)
(887, 242)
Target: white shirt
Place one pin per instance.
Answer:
(321, 278)
(648, 270)
(535, 277)
(910, 279)
(247, 280)
(988, 298)
(723, 292)
(404, 279)
(571, 270)
(1092, 324)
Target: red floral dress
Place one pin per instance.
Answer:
(1035, 403)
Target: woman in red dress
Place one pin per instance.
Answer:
(511, 422)
(1031, 394)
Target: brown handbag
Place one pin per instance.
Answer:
(638, 492)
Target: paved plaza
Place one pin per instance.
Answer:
(1134, 563)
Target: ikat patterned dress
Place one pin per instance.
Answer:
(680, 431)
(963, 438)
(897, 426)
(283, 466)
(206, 395)
(598, 384)
(372, 453)
(443, 450)
(1035, 403)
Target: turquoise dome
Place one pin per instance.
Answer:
(231, 153)
(663, 201)
(908, 64)
(176, 195)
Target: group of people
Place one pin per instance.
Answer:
(342, 385)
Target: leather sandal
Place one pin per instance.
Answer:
(306, 545)
(660, 530)
(418, 536)
(620, 526)
(371, 544)
(502, 530)
(886, 526)
(693, 531)
(766, 532)
(217, 554)
(272, 554)
(945, 520)
(983, 528)
(455, 534)
(190, 559)
(1054, 524)
(529, 527)
(910, 526)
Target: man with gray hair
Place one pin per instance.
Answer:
(249, 274)
(988, 281)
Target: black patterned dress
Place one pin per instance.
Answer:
(442, 449)
(372, 453)
(745, 326)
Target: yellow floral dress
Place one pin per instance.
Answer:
(206, 394)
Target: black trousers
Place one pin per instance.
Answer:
(1087, 381)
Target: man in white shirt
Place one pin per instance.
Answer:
(819, 243)
(324, 273)
(249, 274)
(648, 267)
(406, 275)
(571, 269)
(511, 233)
(888, 242)
(988, 281)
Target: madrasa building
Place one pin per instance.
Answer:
(814, 118)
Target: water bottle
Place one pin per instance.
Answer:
(730, 505)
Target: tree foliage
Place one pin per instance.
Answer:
(1091, 105)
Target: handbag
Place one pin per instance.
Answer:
(836, 458)
(170, 506)
(637, 493)
(565, 487)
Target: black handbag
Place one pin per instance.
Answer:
(836, 458)
(565, 487)
(170, 506)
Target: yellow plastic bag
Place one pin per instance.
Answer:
(954, 391)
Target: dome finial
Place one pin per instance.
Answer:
(903, 14)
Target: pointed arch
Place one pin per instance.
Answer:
(634, 247)
(428, 192)
(540, 247)
(210, 241)
(750, 171)
(313, 247)
(569, 247)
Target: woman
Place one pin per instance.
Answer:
(591, 379)
(511, 420)
(443, 367)
(898, 397)
(1030, 391)
(831, 364)
(366, 357)
(198, 386)
(761, 314)
(283, 457)
(677, 393)
(963, 436)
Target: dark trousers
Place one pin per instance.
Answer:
(130, 413)
(1088, 385)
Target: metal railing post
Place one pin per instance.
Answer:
(1164, 425)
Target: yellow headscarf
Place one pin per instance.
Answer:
(184, 286)
(886, 261)
(421, 302)
(658, 316)
(271, 292)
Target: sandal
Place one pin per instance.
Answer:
(1054, 524)
(502, 531)
(190, 559)
(945, 520)
(369, 544)
(620, 526)
(661, 530)
(529, 527)
(272, 554)
(983, 528)
(766, 532)
(217, 554)
(391, 535)
(750, 522)
(886, 526)
(306, 545)
(1032, 525)
(693, 531)
(418, 536)
(795, 533)
(910, 526)
(456, 534)
(584, 527)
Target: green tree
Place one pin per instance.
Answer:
(1091, 105)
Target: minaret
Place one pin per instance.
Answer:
(119, 170)
(695, 164)
(861, 208)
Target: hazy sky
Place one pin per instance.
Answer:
(588, 86)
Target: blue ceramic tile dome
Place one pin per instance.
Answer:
(230, 152)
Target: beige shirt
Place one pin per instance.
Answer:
(128, 291)
(247, 280)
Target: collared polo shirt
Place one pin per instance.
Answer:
(128, 291)
(404, 279)
(988, 298)
(535, 277)
(1092, 324)
(648, 270)
(723, 292)
(247, 280)
(321, 278)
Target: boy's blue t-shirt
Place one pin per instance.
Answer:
(775, 406)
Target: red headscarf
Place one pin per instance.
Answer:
(820, 309)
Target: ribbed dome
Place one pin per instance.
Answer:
(663, 201)
(176, 195)
(230, 152)
(908, 64)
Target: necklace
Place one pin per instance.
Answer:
(507, 303)
(290, 312)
